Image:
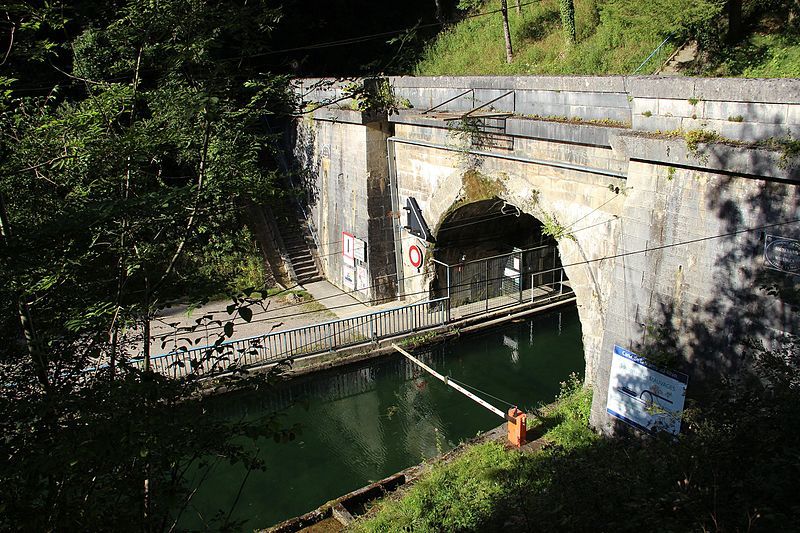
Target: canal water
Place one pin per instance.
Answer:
(365, 422)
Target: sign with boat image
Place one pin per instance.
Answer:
(643, 395)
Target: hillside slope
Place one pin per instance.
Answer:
(615, 37)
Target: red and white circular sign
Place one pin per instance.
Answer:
(415, 256)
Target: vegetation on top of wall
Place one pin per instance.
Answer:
(616, 36)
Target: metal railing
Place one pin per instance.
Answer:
(522, 277)
(515, 278)
(302, 341)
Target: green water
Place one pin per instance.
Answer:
(368, 421)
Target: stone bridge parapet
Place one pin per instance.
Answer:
(665, 188)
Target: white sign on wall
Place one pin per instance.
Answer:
(643, 395)
(782, 253)
(360, 250)
(348, 249)
(362, 280)
(349, 276)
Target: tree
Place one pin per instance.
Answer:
(568, 19)
(506, 31)
(734, 20)
(129, 136)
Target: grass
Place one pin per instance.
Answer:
(469, 493)
(762, 55)
(605, 44)
(613, 37)
(734, 468)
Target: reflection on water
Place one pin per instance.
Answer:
(366, 422)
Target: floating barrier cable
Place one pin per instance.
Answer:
(517, 420)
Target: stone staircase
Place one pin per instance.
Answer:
(299, 246)
(684, 56)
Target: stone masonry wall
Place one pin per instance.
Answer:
(607, 155)
(346, 184)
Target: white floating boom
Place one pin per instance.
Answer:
(456, 386)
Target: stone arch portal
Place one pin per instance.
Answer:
(489, 253)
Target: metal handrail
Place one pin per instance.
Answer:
(331, 324)
(654, 52)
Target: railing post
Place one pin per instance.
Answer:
(561, 282)
(487, 285)
(448, 281)
(533, 286)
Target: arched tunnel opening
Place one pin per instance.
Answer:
(491, 250)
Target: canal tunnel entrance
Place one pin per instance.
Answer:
(491, 254)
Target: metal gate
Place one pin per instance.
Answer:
(503, 280)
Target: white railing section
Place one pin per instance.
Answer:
(302, 341)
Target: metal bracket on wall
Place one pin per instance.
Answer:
(450, 100)
(493, 100)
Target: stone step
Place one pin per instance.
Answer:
(305, 271)
(303, 262)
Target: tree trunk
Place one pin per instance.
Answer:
(568, 20)
(38, 358)
(439, 15)
(734, 20)
(507, 32)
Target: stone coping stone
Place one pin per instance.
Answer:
(764, 90)
(608, 84)
(347, 116)
(729, 158)
(776, 91)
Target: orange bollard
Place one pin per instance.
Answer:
(517, 427)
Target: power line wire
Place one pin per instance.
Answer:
(363, 38)
(563, 266)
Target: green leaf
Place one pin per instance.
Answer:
(228, 329)
(246, 313)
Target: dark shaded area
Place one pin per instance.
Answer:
(492, 249)
(540, 25)
(747, 304)
(486, 228)
(727, 44)
(323, 21)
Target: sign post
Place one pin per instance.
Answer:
(348, 249)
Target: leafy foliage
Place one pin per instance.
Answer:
(567, 8)
(126, 153)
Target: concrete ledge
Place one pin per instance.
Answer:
(561, 131)
(548, 130)
(415, 118)
(776, 91)
(712, 156)
(610, 84)
(347, 116)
